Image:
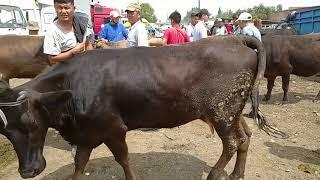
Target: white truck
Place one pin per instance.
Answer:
(12, 21)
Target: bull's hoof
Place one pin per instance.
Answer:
(266, 98)
(218, 175)
(235, 177)
(285, 100)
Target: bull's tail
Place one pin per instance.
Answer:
(256, 112)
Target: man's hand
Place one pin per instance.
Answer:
(104, 40)
(79, 48)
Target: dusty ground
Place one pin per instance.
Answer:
(188, 152)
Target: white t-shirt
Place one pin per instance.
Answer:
(251, 30)
(220, 30)
(190, 30)
(200, 31)
(138, 35)
(57, 41)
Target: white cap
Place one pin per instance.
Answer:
(114, 14)
(219, 19)
(245, 16)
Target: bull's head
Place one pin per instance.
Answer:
(24, 121)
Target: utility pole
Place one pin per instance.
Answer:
(199, 4)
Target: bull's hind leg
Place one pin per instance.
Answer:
(270, 85)
(80, 161)
(235, 138)
(116, 142)
(244, 134)
(285, 86)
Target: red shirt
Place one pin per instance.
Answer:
(175, 35)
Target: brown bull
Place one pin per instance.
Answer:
(21, 56)
(292, 54)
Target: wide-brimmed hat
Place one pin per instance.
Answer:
(133, 7)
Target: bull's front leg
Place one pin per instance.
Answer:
(269, 86)
(80, 161)
(285, 86)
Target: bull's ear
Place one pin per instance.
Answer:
(55, 98)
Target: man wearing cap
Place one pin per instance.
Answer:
(201, 30)
(220, 29)
(247, 26)
(113, 31)
(193, 22)
(138, 34)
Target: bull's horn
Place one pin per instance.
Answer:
(3, 118)
(22, 95)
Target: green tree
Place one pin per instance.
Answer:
(186, 19)
(148, 12)
(261, 11)
(279, 7)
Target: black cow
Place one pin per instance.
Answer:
(291, 54)
(97, 96)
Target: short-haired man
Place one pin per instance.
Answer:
(175, 35)
(66, 35)
(201, 30)
(193, 21)
(220, 29)
(113, 31)
(247, 26)
(138, 34)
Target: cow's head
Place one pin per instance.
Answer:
(24, 121)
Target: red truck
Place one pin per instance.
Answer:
(98, 14)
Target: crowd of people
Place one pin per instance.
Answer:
(67, 35)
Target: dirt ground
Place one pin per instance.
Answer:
(187, 152)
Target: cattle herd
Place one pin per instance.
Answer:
(97, 96)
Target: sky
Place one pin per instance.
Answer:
(163, 8)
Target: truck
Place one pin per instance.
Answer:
(306, 21)
(99, 14)
(12, 20)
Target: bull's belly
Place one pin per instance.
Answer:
(160, 119)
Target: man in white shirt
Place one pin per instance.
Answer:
(247, 26)
(220, 29)
(200, 29)
(138, 34)
(190, 27)
(64, 39)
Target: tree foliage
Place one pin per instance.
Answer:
(148, 12)
(261, 12)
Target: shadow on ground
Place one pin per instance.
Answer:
(293, 97)
(147, 166)
(53, 139)
(294, 153)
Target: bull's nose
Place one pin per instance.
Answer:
(33, 172)
(29, 173)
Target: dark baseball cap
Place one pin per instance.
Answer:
(194, 13)
(203, 12)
